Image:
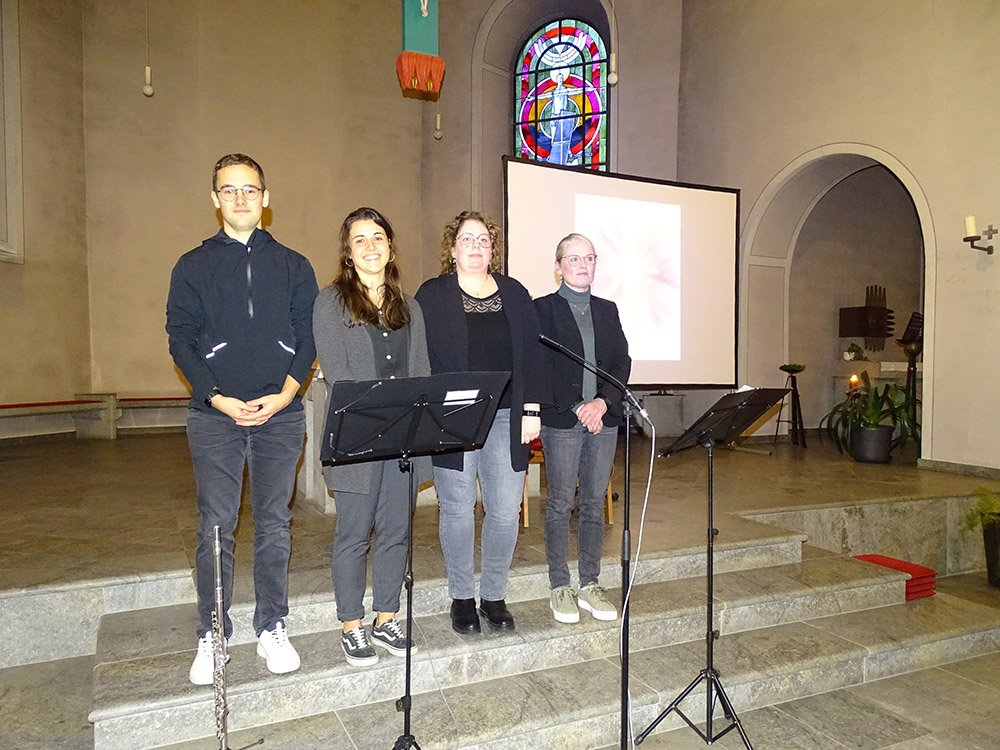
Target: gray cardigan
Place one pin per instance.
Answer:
(346, 353)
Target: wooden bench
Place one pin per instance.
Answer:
(95, 415)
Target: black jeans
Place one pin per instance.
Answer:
(219, 450)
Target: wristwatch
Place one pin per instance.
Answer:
(212, 394)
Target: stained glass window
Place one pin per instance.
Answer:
(561, 97)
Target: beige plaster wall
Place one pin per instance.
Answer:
(308, 89)
(44, 327)
(765, 82)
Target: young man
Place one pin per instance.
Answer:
(239, 318)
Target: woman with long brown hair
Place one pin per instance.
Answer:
(366, 328)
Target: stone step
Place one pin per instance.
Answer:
(124, 635)
(140, 685)
(576, 705)
(71, 611)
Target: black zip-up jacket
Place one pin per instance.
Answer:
(240, 317)
(610, 351)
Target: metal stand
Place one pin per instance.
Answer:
(628, 403)
(728, 418)
(797, 430)
(626, 565)
(406, 739)
(714, 691)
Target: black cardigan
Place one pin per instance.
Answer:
(610, 350)
(440, 299)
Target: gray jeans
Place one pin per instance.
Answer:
(219, 450)
(576, 457)
(502, 489)
(383, 509)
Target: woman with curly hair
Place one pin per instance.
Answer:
(480, 320)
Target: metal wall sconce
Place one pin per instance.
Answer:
(972, 235)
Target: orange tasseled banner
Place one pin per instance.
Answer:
(420, 72)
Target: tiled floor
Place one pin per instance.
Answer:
(78, 510)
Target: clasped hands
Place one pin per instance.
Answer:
(591, 415)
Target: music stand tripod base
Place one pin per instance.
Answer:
(723, 423)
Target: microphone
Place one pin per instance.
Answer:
(552, 343)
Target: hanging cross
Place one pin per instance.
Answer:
(990, 231)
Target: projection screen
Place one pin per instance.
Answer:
(667, 256)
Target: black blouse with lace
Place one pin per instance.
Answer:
(489, 337)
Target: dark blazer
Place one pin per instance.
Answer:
(610, 350)
(346, 353)
(440, 299)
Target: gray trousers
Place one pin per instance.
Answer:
(502, 489)
(383, 509)
(219, 450)
(575, 458)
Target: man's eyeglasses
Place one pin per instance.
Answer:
(575, 260)
(228, 192)
(468, 240)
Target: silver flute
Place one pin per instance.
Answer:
(219, 654)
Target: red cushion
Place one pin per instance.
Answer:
(915, 571)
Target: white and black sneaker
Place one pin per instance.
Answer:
(357, 649)
(390, 636)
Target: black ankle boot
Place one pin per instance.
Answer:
(464, 619)
(497, 614)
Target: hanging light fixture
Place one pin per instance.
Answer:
(147, 89)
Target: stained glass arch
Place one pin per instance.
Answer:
(561, 103)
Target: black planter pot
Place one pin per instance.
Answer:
(871, 445)
(991, 539)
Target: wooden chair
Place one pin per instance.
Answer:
(538, 457)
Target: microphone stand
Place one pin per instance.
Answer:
(630, 402)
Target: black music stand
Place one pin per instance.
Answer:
(723, 423)
(376, 420)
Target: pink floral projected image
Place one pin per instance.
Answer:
(638, 245)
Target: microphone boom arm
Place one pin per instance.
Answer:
(553, 344)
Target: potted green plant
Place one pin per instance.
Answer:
(985, 514)
(871, 422)
(856, 353)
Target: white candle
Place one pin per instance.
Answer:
(970, 226)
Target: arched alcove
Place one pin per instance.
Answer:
(770, 236)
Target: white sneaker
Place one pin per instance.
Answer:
(274, 646)
(202, 670)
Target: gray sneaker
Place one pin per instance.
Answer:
(357, 649)
(562, 601)
(594, 599)
(391, 637)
